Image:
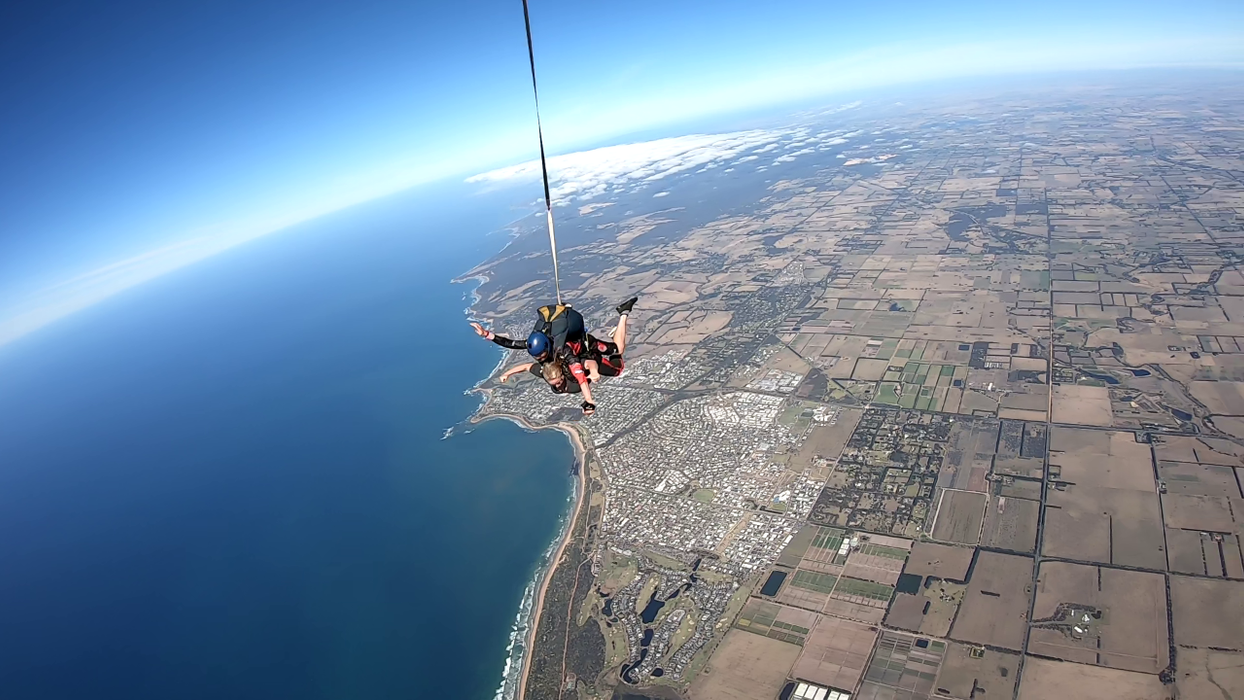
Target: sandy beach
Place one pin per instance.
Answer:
(580, 451)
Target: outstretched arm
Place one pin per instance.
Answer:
(517, 369)
(498, 339)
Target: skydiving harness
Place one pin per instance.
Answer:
(561, 324)
(544, 168)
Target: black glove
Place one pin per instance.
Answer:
(588, 408)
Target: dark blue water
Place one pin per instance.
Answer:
(231, 483)
(773, 583)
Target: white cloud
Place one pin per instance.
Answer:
(628, 167)
(576, 177)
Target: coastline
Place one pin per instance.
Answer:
(563, 538)
(530, 608)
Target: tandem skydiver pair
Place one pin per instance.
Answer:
(561, 345)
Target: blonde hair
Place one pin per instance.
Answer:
(552, 372)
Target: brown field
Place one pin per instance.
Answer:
(797, 547)
(1082, 405)
(995, 673)
(1220, 396)
(1105, 525)
(1101, 458)
(1107, 509)
(996, 603)
(1208, 513)
(1186, 479)
(801, 597)
(1037, 364)
(943, 598)
(836, 653)
(1207, 612)
(960, 515)
(787, 360)
(815, 560)
(1032, 404)
(1207, 673)
(1231, 425)
(1021, 414)
(1203, 450)
(663, 294)
(872, 568)
(972, 401)
(1132, 633)
(1022, 488)
(871, 561)
(779, 622)
(1232, 555)
(1060, 680)
(906, 612)
(1011, 523)
(745, 667)
(1030, 467)
(870, 370)
(969, 452)
(1184, 552)
(940, 560)
(694, 329)
(853, 610)
(827, 441)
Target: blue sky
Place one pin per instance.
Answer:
(138, 128)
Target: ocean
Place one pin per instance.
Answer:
(234, 481)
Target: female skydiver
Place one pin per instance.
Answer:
(551, 372)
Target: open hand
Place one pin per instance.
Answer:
(479, 330)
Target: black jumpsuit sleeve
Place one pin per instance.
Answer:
(509, 342)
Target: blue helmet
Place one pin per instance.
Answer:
(538, 344)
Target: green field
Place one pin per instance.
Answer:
(761, 618)
(867, 589)
(828, 538)
(880, 550)
(887, 394)
(791, 628)
(918, 385)
(814, 581)
(758, 616)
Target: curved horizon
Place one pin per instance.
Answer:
(122, 170)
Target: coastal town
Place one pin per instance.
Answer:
(954, 411)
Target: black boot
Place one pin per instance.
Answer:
(625, 307)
